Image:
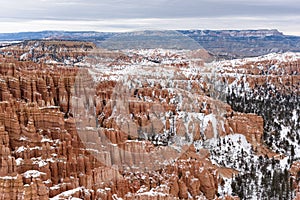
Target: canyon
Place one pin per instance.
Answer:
(78, 121)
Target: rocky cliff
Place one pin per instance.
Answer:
(97, 124)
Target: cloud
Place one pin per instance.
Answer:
(288, 25)
(117, 12)
(106, 9)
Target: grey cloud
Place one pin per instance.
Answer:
(106, 9)
(209, 12)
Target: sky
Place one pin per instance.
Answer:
(134, 15)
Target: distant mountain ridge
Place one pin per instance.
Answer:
(244, 43)
(236, 33)
(64, 35)
(222, 43)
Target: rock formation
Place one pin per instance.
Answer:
(107, 133)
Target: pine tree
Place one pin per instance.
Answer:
(292, 152)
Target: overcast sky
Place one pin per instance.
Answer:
(125, 15)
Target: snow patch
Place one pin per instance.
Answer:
(33, 174)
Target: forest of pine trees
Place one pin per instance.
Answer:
(266, 179)
(277, 109)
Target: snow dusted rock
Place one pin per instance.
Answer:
(11, 187)
(107, 132)
(250, 125)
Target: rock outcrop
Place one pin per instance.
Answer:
(106, 133)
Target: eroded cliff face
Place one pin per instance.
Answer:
(121, 125)
(267, 86)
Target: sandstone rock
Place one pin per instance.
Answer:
(98, 141)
